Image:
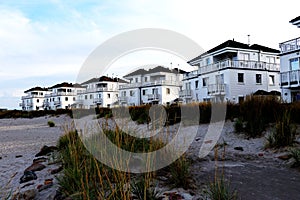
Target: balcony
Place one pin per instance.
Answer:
(152, 97)
(22, 105)
(189, 75)
(97, 100)
(79, 101)
(151, 83)
(216, 89)
(290, 45)
(123, 99)
(290, 78)
(239, 64)
(57, 103)
(186, 94)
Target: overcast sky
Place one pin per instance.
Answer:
(43, 43)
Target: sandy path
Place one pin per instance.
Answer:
(25, 137)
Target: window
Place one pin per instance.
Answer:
(240, 78)
(108, 96)
(294, 63)
(66, 98)
(91, 96)
(74, 98)
(123, 94)
(270, 59)
(205, 81)
(241, 99)
(168, 90)
(271, 80)
(131, 93)
(146, 79)
(37, 100)
(196, 84)
(207, 61)
(258, 78)
(244, 56)
(144, 92)
(58, 98)
(136, 80)
(85, 96)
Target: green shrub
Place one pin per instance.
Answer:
(143, 190)
(284, 134)
(180, 174)
(239, 126)
(51, 124)
(220, 189)
(295, 153)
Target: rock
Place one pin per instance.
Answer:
(46, 150)
(28, 176)
(55, 171)
(284, 156)
(19, 156)
(39, 160)
(260, 154)
(26, 195)
(0, 157)
(239, 148)
(48, 181)
(197, 139)
(36, 167)
(44, 187)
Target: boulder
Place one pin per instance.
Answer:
(28, 176)
(46, 150)
(35, 167)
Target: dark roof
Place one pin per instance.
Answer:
(122, 81)
(296, 19)
(37, 89)
(263, 48)
(137, 72)
(103, 78)
(64, 84)
(239, 45)
(93, 80)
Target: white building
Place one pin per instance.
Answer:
(102, 92)
(34, 99)
(289, 67)
(62, 96)
(230, 71)
(158, 85)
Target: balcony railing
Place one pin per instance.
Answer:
(240, 64)
(216, 89)
(32, 96)
(123, 99)
(97, 89)
(57, 103)
(79, 101)
(152, 97)
(185, 93)
(290, 45)
(97, 100)
(191, 74)
(290, 78)
(152, 83)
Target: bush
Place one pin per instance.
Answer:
(284, 134)
(295, 153)
(239, 126)
(221, 190)
(180, 174)
(142, 190)
(51, 124)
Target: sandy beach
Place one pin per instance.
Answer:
(255, 172)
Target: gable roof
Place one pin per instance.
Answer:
(295, 19)
(64, 84)
(36, 89)
(137, 72)
(238, 45)
(156, 69)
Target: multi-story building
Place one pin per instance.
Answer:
(62, 96)
(158, 85)
(290, 67)
(101, 92)
(230, 71)
(34, 98)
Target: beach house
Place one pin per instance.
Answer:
(62, 96)
(34, 98)
(158, 85)
(290, 67)
(230, 71)
(101, 92)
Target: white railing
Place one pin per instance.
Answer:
(98, 100)
(290, 45)
(122, 99)
(185, 93)
(191, 74)
(152, 97)
(32, 96)
(215, 89)
(290, 78)
(239, 64)
(151, 83)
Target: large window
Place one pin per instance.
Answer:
(294, 63)
(244, 56)
(196, 84)
(272, 80)
(258, 78)
(240, 78)
(168, 90)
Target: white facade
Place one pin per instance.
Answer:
(34, 99)
(290, 67)
(231, 71)
(102, 92)
(154, 86)
(62, 96)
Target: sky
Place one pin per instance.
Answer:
(43, 43)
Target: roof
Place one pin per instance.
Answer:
(64, 84)
(102, 78)
(238, 45)
(295, 19)
(37, 89)
(155, 70)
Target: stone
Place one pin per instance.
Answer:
(28, 176)
(26, 185)
(55, 171)
(44, 187)
(239, 148)
(19, 156)
(35, 167)
(39, 160)
(260, 154)
(29, 194)
(284, 157)
(46, 150)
